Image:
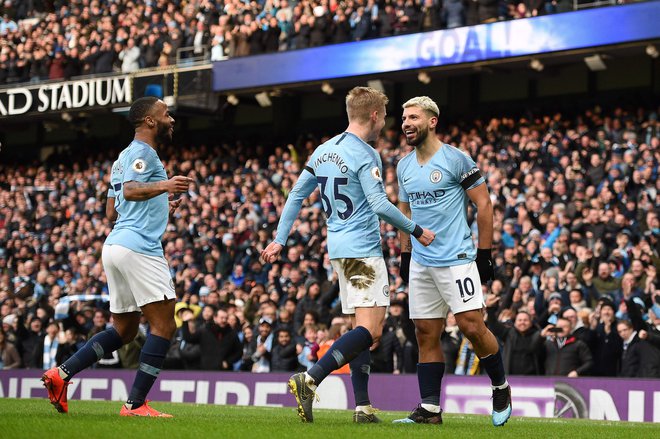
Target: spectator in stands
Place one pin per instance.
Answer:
(150, 50)
(309, 348)
(249, 348)
(101, 322)
(386, 354)
(360, 23)
(283, 356)
(642, 347)
(263, 344)
(57, 65)
(29, 342)
(99, 58)
(604, 283)
(522, 342)
(550, 313)
(607, 344)
(450, 342)
(129, 57)
(69, 345)
(48, 347)
(565, 354)
(578, 329)
(73, 64)
(271, 37)
(343, 27)
(386, 21)
(398, 322)
(314, 301)
(453, 13)
(9, 358)
(218, 342)
(7, 26)
(326, 338)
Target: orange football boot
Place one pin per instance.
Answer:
(56, 388)
(143, 410)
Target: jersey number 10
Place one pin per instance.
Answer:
(338, 196)
(466, 288)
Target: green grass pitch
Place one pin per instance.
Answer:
(36, 418)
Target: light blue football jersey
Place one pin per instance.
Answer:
(436, 193)
(140, 224)
(348, 173)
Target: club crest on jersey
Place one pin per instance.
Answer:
(375, 173)
(386, 290)
(436, 176)
(139, 166)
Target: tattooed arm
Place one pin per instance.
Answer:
(138, 191)
(404, 238)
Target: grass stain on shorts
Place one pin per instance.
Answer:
(360, 274)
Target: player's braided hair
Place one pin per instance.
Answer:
(140, 109)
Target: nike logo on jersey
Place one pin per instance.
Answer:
(406, 180)
(467, 300)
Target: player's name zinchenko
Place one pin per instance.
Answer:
(332, 157)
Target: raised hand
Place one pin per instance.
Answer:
(178, 184)
(272, 252)
(174, 204)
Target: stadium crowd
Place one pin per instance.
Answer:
(42, 40)
(576, 251)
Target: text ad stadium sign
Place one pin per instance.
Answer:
(63, 96)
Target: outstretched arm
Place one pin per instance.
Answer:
(139, 191)
(388, 212)
(377, 199)
(302, 189)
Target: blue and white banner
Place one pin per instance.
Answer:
(62, 308)
(506, 39)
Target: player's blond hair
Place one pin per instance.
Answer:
(425, 103)
(362, 101)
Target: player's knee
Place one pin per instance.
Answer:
(427, 335)
(164, 329)
(472, 329)
(423, 338)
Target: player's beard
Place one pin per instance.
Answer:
(163, 134)
(419, 138)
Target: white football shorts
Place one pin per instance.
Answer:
(134, 279)
(363, 283)
(436, 290)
